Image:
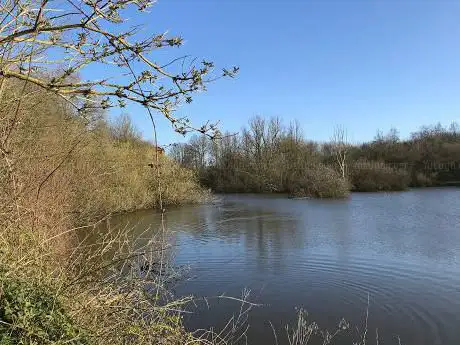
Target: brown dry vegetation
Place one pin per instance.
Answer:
(267, 156)
(86, 167)
(59, 175)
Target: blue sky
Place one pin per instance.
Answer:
(366, 65)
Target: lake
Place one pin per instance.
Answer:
(400, 251)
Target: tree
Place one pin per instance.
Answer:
(257, 129)
(340, 146)
(50, 43)
(199, 145)
(122, 129)
(392, 136)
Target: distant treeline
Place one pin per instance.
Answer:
(267, 156)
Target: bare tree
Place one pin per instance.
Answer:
(123, 129)
(295, 132)
(257, 127)
(339, 146)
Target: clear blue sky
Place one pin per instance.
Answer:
(366, 65)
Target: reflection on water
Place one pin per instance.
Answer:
(326, 256)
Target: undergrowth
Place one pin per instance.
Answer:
(29, 314)
(60, 176)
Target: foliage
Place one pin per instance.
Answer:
(30, 315)
(431, 156)
(86, 170)
(320, 182)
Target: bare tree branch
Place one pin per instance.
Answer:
(78, 34)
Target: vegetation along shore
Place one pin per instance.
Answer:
(266, 157)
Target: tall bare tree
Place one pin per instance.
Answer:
(340, 146)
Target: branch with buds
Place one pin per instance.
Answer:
(68, 39)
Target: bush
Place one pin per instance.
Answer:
(31, 315)
(320, 182)
(375, 176)
(421, 180)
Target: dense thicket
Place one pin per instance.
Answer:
(430, 157)
(265, 157)
(269, 157)
(85, 167)
(59, 174)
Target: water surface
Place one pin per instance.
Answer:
(327, 256)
